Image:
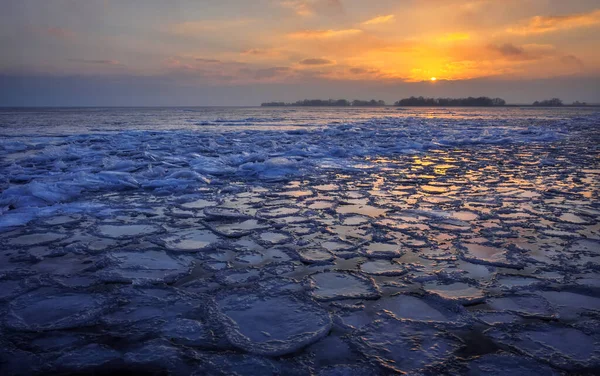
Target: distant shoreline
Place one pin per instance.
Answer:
(4, 108)
(425, 102)
(433, 106)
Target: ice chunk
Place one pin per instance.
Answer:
(527, 305)
(571, 305)
(404, 346)
(508, 364)
(237, 364)
(561, 346)
(187, 332)
(342, 285)
(427, 309)
(215, 213)
(315, 255)
(36, 239)
(87, 359)
(237, 229)
(488, 255)
(191, 241)
(147, 266)
(127, 231)
(461, 292)
(383, 250)
(383, 267)
(50, 309)
(271, 325)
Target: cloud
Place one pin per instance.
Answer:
(61, 33)
(361, 71)
(324, 34)
(272, 72)
(255, 51)
(547, 24)
(97, 62)
(316, 61)
(311, 7)
(508, 50)
(195, 28)
(380, 20)
(572, 61)
(522, 53)
(208, 61)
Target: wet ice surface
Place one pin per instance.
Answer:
(457, 242)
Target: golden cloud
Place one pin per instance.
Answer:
(380, 20)
(546, 24)
(324, 34)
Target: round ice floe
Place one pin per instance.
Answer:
(236, 364)
(404, 346)
(571, 305)
(497, 318)
(349, 370)
(383, 267)
(127, 231)
(36, 239)
(271, 325)
(383, 250)
(434, 189)
(328, 286)
(238, 276)
(11, 288)
(526, 305)
(147, 266)
(50, 309)
(87, 359)
(488, 255)
(273, 238)
(187, 332)
(458, 291)
(276, 212)
(517, 282)
(315, 255)
(423, 308)
(191, 241)
(562, 346)
(585, 246)
(157, 355)
(508, 364)
(236, 229)
(215, 213)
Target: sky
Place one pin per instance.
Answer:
(244, 52)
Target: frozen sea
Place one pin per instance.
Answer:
(300, 241)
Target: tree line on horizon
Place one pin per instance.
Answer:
(417, 102)
(328, 103)
(447, 102)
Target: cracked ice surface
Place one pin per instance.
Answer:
(300, 241)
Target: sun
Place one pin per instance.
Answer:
(433, 79)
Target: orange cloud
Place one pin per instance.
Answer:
(312, 7)
(317, 61)
(380, 20)
(323, 34)
(547, 24)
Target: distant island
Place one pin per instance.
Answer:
(451, 102)
(422, 102)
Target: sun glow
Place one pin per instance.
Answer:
(433, 79)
